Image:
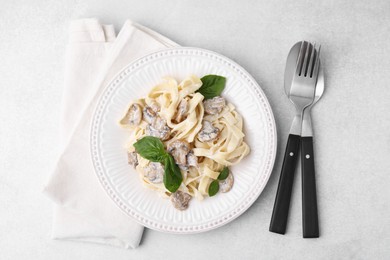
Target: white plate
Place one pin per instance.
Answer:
(122, 183)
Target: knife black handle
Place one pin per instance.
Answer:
(309, 194)
(283, 195)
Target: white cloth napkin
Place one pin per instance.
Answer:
(83, 211)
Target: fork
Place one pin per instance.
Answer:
(301, 94)
(309, 194)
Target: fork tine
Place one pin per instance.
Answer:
(305, 60)
(317, 64)
(298, 67)
(309, 70)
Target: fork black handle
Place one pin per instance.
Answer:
(286, 179)
(309, 194)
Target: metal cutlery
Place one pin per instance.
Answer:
(300, 87)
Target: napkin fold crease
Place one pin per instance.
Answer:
(83, 211)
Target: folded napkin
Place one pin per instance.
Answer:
(83, 211)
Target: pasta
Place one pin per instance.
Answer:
(203, 136)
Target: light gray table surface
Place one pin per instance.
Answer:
(351, 122)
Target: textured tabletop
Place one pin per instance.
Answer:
(351, 122)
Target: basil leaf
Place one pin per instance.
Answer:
(224, 174)
(213, 188)
(212, 86)
(151, 148)
(172, 175)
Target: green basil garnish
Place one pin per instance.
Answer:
(212, 86)
(152, 149)
(213, 188)
(172, 175)
(224, 174)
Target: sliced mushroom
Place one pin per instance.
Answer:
(192, 160)
(132, 159)
(149, 115)
(214, 105)
(154, 172)
(159, 123)
(134, 114)
(208, 132)
(158, 129)
(163, 134)
(179, 150)
(155, 106)
(182, 110)
(227, 184)
(180, 200)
